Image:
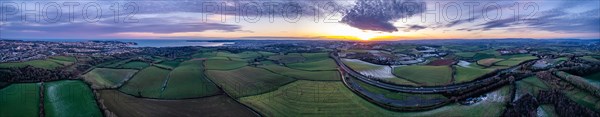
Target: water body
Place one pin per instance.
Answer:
(146, 42)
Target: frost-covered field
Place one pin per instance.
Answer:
(370, 69)
(464, 64)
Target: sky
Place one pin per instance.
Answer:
(300, 19)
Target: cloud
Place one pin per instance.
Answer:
(414, 28)
(377, 15)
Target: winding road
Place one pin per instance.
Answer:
(416, 89)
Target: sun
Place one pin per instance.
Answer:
(365, 37)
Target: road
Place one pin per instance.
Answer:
(416, 89)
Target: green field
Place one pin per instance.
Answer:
(124, 105)
(204, 55)
(488, 62)
(311, 98)
(531, 85)
(590, 58)
(134, 65)
(171, 64)
(435, 75)
(108, 78)
(480, 56)
(247, 81)
(147, 83)
(287, 59)
(326, 64)
(312, 57)
(44, 64)
(20, 100)
(114, 64)
(465, 74)
(301, 74)
(69, 98)
(64, 58)
(188, 81)
(515, 61)
(465, 54)
(584, 98)
(219, 64)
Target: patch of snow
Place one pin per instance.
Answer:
(464, 64)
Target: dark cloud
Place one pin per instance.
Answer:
(377, 15)
(414, 28)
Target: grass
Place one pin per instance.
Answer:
(219, 64)
(312, 57)
(590, 58)
(214, 106)
(171, 64)
(20, 100)
(287, 59)
(531, 85)
(465, 74)
(303, 75)
(435, 75)
(134, 65)
(64, 58)
(480, 56)
(584, 98)
(44, 64)
(325, 64)
(204, 55)
(247, 81)
(488, 62)
(188, 81)
(311, 98)
(108, 78)
(115, 64)
(515, 61)
(69, 98)
(147, 83)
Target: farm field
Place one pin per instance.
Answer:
(584, 98)
(436, 75)
(21, 99)
(44, 64)
(147, 83)
(128, 106)
(301, 74)
(531, 85)
(134, 65)
(488, 62)
(515, 61)
(465, 74)
(376, 71)
(247, 81)
(593, 78)
(171, 63)
(325, 64)
(311, 98)
(287, 59)
(108, 78)
(188, 81)
(69, 98)
(219, 64)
